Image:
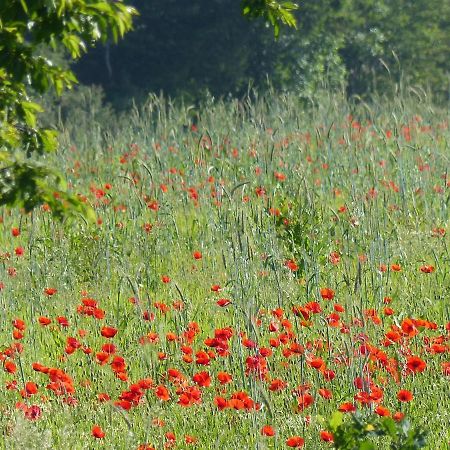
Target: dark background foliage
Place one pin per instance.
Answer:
(185, 48)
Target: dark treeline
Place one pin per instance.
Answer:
(187, 47)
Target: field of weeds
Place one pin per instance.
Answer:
(261, 274)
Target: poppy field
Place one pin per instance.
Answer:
(257, 275)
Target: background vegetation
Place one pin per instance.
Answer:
(366, 46)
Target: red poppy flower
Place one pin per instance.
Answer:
(31, 388)
(170, 436)
(295, 442)
(190, 439)
(223, 302)
(334, 257)
(19, 324)
(202, 379)
(221, 403)
(124, 404)
(382, 411)
(18, 334)
(327, 293)
(103, 397)
(279, 176)
(202, 358)
(50, 291)
(427, 269)
(108, 332)
(97, 432)
(291, 265)
(304, 400)
(446, 368)
(415, 364)
(326, 436)
(328, 375)
(15, 232)
(325, 393)
(224, 377)
(165, 279)
(62, 321)
(197, 255)
(162, 393)
(267, 430)
(118, 364)
(347, 407)
(33, 412)
(316, 363)
(404, 395)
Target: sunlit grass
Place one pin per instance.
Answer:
(343, 192)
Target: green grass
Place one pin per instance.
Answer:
(394, 190)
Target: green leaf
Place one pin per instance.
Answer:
(366, 445)
(24, 5)
(289, 5)
(49, 140)
(29, 110)
(389, 426)
(336, 420)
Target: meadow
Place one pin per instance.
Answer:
(254, 267)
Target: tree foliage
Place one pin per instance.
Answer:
(364, 45)
(274, 12)
(26, 27)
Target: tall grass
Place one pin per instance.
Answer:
(251, 184)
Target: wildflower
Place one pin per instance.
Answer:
(103, 397)
(223, 302)
(415, 364)
(224, 377)
(108, 332)
(202, 358)
(398, 416)
(31, 388)
(382, 411)
(327, 293)
(202, 379)
(347, 407)
(62, 321)
(267, 430)
(33, 412)
(97, 432)
(295, 442)
(304, 400)
(291, 265)
(325, 393)
(162, 393)
(190, 439)
(326, 436)
(404, 395)
(334, 257)
(221, 403)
